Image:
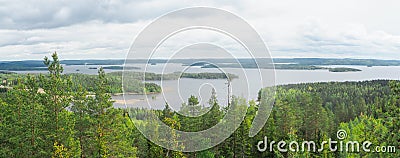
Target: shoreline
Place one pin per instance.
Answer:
(133, 93)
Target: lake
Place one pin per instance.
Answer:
(247, 85)
(176, 92)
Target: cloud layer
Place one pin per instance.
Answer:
(97, 29)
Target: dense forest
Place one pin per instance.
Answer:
(53, 115)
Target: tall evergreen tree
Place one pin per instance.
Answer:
(109, 133)
(57, 97)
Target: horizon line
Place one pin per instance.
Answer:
(211, 58)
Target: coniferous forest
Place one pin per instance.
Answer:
(58, 115)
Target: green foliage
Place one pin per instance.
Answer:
(60, 115)
(42, 116)
(302, 112)
(60, 151)
(152, 88)
(366, 128)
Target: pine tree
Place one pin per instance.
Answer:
(108, 131)
(83, 121)
(57, 96)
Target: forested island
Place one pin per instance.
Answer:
(62, 120)
(282, 67)
(343, 69)
(277, 63)
(120, 68)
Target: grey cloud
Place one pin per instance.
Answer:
(105, 28)
(40, 53)
(31, 14)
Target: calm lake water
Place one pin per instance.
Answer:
(247, 85)
(176, 92)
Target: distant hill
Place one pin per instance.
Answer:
(280, 63)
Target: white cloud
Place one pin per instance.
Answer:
(90, 40)
(105, 28)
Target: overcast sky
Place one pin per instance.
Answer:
(104, 29)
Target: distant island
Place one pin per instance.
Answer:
(343, 69)
(121, 68)
(176, 75)
(263, 63)
(265, 66)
